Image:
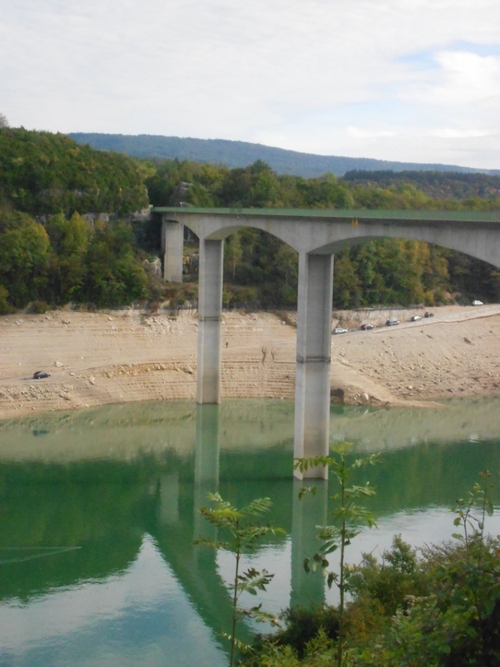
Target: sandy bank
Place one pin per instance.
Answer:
(122, 356)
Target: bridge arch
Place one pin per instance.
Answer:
(486, 248)
(316, 235)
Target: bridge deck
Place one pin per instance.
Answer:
(347, 215)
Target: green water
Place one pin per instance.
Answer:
(99, 510)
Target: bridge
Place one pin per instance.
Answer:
(316, 235)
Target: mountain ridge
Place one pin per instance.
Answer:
(242, 153)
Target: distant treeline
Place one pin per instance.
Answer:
(242, 153)
(51, 254)
(435, 184)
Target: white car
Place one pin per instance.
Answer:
(340, 330)
(415, 318)
(392, 322)
(477, 303)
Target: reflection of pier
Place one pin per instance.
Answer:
(196, 566)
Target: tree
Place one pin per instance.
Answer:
(24, 257)
(243, 530)
(348, 516)
(3, 121)
(69, 240)
(233, 254)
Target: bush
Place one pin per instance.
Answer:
(38, 307)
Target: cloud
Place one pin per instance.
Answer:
(290, 69)
(464, 78)
(369, 134)
(450, 133)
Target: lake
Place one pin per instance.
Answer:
(100, 509)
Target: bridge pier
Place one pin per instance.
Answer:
(209, 320)
(172, 242)
(312, 382)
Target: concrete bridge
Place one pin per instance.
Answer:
(316, 235)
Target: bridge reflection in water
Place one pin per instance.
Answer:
(111, 509)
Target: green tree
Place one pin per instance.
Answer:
(113, 277)
(233, 254)
(242, 531)
(70, 241)
(24, 257)
(348, 516)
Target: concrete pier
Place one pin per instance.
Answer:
(172, 242)
(312, 383)
(209, 321)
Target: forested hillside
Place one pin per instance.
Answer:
(50, 173)
(242, 153)
(451, 185)
(49, 253)
(52, 253)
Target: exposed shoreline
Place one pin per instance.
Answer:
(129, 355)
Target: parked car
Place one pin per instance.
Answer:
(416, 318)
(39, 375)
(340, 330)
(392, 322)
(366, 327)
(477, 303)
(427, 314)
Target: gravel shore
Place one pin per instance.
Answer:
(131, 355)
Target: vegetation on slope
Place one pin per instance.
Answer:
(443, 186)
(50, 253)
(44, 173)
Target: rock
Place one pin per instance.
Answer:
(58, 364)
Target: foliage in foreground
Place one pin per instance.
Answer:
(242, 531)
(348, 516)
(436, 608)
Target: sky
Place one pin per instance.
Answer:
(406, 80)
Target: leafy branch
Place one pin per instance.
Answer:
(242, 531)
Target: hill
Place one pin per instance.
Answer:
(44, 173)
(241, 153)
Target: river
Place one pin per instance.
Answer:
(99, 510)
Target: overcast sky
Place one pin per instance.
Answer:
(410, 80)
